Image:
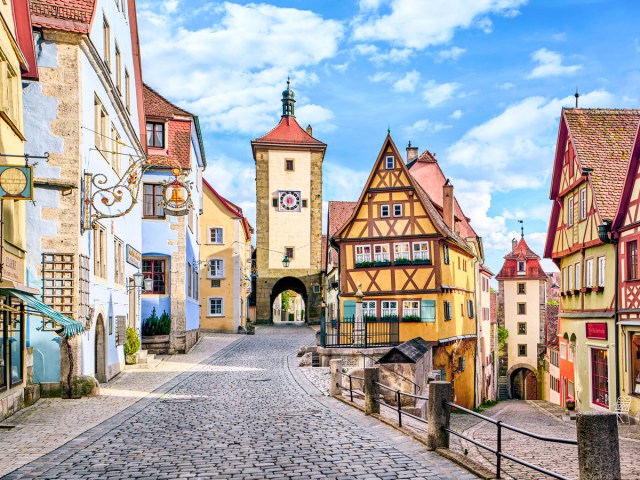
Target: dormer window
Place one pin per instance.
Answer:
(155, 135)
(522, 267)
(389, 163)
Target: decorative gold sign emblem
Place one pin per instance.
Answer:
(16, 183)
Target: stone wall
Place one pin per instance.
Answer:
(264, 288)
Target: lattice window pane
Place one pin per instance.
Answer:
(58, 282)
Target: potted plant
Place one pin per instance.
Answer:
(570, 404)
(131, 346)
(411, 318)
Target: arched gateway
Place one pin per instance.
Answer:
(288, 214)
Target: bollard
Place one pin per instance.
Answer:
(439, 414)
(371, 403)
(598, 447)
(335, 367)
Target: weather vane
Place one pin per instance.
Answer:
(521, 222)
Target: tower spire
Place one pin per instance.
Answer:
(288, 101)
(521, 222)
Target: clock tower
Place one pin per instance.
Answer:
(288, 214)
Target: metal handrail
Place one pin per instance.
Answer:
(398, 409)
(498, 450)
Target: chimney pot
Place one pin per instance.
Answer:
(448, 211)
(412, 153)
(310, 130)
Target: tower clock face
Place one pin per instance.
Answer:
(289, 201)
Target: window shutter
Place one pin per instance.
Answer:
(470, 308)
(428, 311)
(349, 310)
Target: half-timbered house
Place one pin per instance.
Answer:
(413, 267)
(626, 229)
(592, 155)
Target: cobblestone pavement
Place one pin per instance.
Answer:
(538, 417)
(52, 422)
(246, 412)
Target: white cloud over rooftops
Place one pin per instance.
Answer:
(550, 65)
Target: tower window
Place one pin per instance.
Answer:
(304, 203)
(390, 163)
(288, 252)
(274, 202)
(288, 165)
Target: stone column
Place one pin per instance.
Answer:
(359, 332)
(335, 367)
(370, 387)
(598, 447)
(439, 414)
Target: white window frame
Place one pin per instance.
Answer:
(210, 313)
(401, 251)
(363, 253)
(391, 308)
(563, 351)
(588, 267)
(578, 281)
(382, 211)
(397, 209)
(570, 276)
(220, 270)
(583, 203)
(412, 309)
(564, 279)
(570, 211)
(369, 308)
(421, 253)
(389, 163)
(602, 264)
(379, 253)
(523, 270)
(213, 242)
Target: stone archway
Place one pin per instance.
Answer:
(289, 283)
(100, 351)
(523, 382)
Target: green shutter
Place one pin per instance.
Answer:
(428, 311)
(349, 310)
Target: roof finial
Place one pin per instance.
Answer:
(288, 100)
(577, 95)
(521, 222)
(388, 129)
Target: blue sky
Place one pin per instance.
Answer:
(479, 82)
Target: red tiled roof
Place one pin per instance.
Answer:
(521, 252)
(67, 15)
(178, 150)
(289, 132)
(427, 172)
(339, 213)
(155, 105)
(233, 209)
(603, 140)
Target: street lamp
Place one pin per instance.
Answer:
(286, 262)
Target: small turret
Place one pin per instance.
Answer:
(288, 101)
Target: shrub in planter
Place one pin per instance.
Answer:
(154, 325)
(131, 346)
(390, 318)
(364, 264)
(369, 318)
(411, 318)
(402, 261)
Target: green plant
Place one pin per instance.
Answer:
(553, 302)
(390, 317)
(402, 261)
(369, 318)
(132, 344)
(285, 300)
(291, 317)
(503, 334)
(364, 264)
(411, 318)
(154, 325)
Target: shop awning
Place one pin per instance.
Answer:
(629, 323)
(70, 327)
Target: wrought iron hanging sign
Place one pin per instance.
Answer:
(16, 183)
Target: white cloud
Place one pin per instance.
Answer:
(380, 57)
(505, 86)
(380, 77)
(408, 83)
(452, 53)
(559, 37)
(456, 115)
(341, 182)
(341, 67)
(514, 149)
(316, 116)
(485, 24)
(425, 126)
(550, 64)
(255, 47)
(435, 93)
(418, 24)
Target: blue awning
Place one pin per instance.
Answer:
(70, 327)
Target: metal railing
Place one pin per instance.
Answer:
(399, 394)
(370, 333)
(498, 450)
(390, 370)
(351, 390)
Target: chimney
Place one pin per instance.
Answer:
(412, 153)
(310, 130)
(514, 244)
(447, 205)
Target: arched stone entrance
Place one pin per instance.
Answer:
(523, 383)
(100, 351)
(285, 284)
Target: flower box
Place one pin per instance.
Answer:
(422, 262)
(411, 318)
(381, 264)
(364, 264)
(402, 261)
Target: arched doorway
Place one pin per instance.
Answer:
(289, 296)
(524, 384)
(100, 351)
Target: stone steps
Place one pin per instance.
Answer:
(503, 389)
(315, 359)
(146, 360)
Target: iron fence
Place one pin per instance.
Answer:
(348, 333)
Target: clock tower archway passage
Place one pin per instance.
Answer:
(288, 212)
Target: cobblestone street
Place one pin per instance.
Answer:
(244, 412)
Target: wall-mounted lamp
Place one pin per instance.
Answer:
(286, 262)
(141, 283)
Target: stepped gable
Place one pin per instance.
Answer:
(603, 140)
(521, 252)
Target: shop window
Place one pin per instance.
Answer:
(599, 377)
(635, 363)
(15, 345)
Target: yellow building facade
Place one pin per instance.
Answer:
(225, 279)
(412, 268)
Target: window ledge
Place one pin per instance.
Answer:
(597, 289)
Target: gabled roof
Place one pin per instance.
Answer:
(427, 172)
(232, 208)
(521, 252)
(155, 105)
(627, 189)
(410, 351)
(289, 132)
(67, 15)
(338, 214)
